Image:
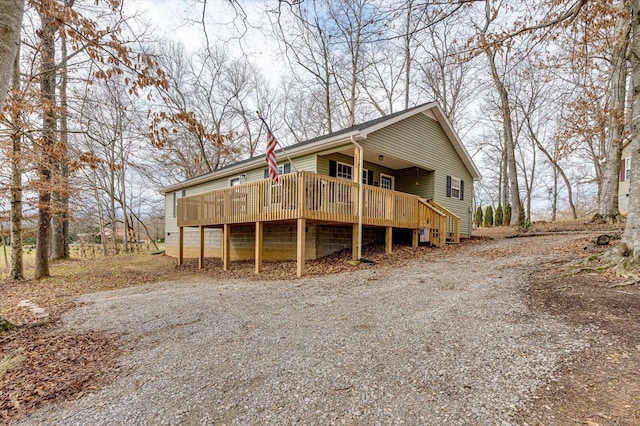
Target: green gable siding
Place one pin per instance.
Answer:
(415, 180)
(323, 165)
(323, 162)
(421, 140)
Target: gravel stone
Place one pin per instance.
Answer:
(438, 341)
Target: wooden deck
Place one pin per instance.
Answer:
(306, 196)
(316, 197)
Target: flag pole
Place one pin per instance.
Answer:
(281, 147)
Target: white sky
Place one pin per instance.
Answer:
(181, 20)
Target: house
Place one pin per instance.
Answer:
(623, 186)
(406, 174)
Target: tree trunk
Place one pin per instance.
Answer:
(631, 235)
(10, 25)
(407, 55)
(554, 195)
(60, 240)
(505, 180)
(103, 240)
(327, 87)
(17, 267)
(608, 194)
(556, 170)
(48, 97)
(112, 213)
(509, 143)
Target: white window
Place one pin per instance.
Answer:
(283, 169)
(455, 188)
(627, 168)
(386, 181)
(344, 171)
(365, 174)
(234, 181)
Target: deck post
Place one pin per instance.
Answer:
(354, 241)
(180, 245)
(388, 239)
(259, 245)
(225, 246)
(301, 246)
(456, 230)
(415, 238)
(201, 242)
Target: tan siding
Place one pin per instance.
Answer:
(422, 141)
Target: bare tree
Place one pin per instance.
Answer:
(308, 42)
(491, 51)
(17, 266)
(608, 199)
(47, 143)
(10, 24)
(444, 73)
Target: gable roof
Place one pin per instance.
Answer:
(359, 131)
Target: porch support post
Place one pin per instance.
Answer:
(259, 244)
(414, 239)
(225, 246)
(201, 258)
(354, 241)
(388, 239)
(301, 246)
(180, 245)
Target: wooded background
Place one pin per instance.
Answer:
(103, 108)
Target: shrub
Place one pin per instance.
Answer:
(488, 216)
(507, 215)
(478, 217)
(499, 215)
(524, 222)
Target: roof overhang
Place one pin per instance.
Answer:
(333, 141)
(296, 151)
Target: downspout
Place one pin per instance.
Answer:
(360, 195)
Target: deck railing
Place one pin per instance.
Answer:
(453, 222)
(312, 196)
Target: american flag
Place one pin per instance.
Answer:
(271, 156)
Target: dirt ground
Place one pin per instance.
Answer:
(601, 385)
(597, 387)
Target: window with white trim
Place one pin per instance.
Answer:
(344, 171)
(455, 188)
(234, 181)
(365, 174)
(386, 181)
(283, 169)
(627, 168)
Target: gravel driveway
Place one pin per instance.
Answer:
(438, 341)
